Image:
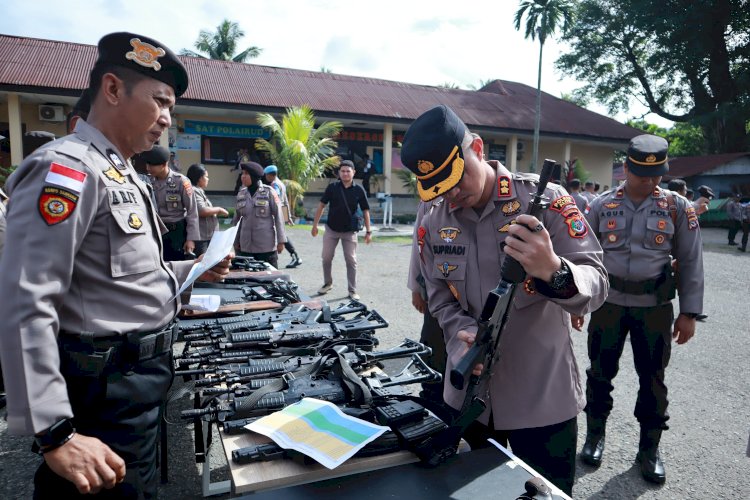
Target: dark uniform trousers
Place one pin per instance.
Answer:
(174, 241)
(549, 450)
(119, 403)
(270, 257)
(432, 337)
(650, 331)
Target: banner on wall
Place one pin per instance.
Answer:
(225, 130)
(189, 142)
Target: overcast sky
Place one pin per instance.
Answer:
(428, 42)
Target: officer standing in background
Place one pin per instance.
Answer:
(87, 304)
(533, 393)
(176, 203)
(271, 178)
(641, 227)
(734, 214)
(261, 233)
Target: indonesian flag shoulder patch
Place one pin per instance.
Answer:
(66, 177)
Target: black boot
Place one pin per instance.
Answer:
(652, 468)
(296, 261)
(593, 448)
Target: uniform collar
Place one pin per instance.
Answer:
(93, 135)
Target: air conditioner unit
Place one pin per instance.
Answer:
(520, 146)
(50, 113)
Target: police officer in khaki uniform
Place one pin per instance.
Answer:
(261, 233)
(176, 204)
(534, 392)
(641, 228)
(87, 304)
(3, 200)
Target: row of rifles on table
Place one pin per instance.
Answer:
(241, 366)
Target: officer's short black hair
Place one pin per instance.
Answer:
(677, 185)
(575, 184)
(129, 78)
(589, 184)
(346, 163)
(195, 172)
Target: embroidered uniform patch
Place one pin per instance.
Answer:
(611, 224)
(187, 186)
(56, 204)
(576, 226)
(421, 232)
(449, 234)
(503, 187)
(559, 204)
(67, 177)
(692, 218)
(661, 224)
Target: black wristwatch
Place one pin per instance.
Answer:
(560, 278)
(60, 433)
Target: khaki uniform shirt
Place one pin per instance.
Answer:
(83, 254)
(638, 242)
(206, 225)
(734, 210)
(176, 201)
(3, 211)
(262, 227)
(415, 280)
(535, 379)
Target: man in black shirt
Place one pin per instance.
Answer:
(344, 197)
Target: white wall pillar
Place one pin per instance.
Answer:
(566, 152)
(387, 155)
(511, 156)
(16, 131)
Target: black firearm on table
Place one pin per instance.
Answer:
(494, 315)
(331, 378)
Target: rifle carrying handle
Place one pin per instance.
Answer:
(512, 271)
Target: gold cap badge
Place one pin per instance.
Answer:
(145, 54)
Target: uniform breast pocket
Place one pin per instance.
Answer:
(133, 249)
(452, 270)
(174, 202)
(659, 233)
(613, 232)
(262, 208)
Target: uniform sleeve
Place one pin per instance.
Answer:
(573, 240)
(689, 258)
(442, 304)
(278, 218)
(2, 228)
(415, 275)
(191, 210)
(38, 265)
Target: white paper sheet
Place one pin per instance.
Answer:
(203, 303)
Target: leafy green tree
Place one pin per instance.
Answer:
(449, 85)
(222, 44)
(543, 19)
(408, 181)
(300, 150)
(684, 139)
(686, 61)
(577, 99)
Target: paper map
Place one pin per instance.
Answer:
(319, 430)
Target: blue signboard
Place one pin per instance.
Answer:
(226, 129)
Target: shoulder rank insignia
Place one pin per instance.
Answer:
(134, 221)
(446, 269)
(559, 204)
(449, 234)
(503, 187)
(511, 207)
(114, 175)
(576, 226)
(56, 204)
(145, 54)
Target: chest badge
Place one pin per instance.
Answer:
(611, 224)
(446, 269)
(449, 234)
(134, 221)
(661, 224)
(505, 228)
(114, 175)
(662, 203)
(659, 239)
(511, 207)
(612, 238)
(611, 205)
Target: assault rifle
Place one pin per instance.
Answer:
(278, 290)
(330, 379)
(257, 368)
(495, 313)
(249, 264)
(291, 334)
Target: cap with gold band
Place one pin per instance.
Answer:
(432, 150)
(647, 156)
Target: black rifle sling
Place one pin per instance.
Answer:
(360, 393)
(280, 384)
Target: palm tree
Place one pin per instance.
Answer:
(301, 151)
(543, 19)
(222, 44)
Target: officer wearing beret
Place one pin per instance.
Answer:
(88, 309)
(534, 392)
(261, 233)
(641, 228)
(176, 205)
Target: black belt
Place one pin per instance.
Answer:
(91, 353)
(173, 226)
(646, 287)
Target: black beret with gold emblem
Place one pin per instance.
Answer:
(253, 169)
(158, 155)
(432, 150)
(144, 55)
(647, 156)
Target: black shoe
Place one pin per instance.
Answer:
(2, 400)
(593, 449)
(741, 249)
(652, 468)
(733, 243)
(296, 261)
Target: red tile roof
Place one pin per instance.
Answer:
(46, 66)
(687, 166)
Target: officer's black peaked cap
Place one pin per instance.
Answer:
(432, 150)
(144, 55)
(647, 156)
(158, 155)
